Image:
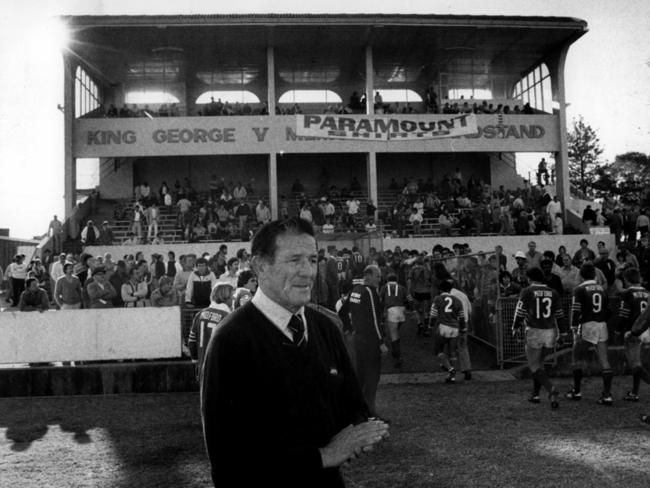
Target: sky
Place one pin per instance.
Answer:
(607, 78)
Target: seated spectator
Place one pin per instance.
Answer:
(33, 298)
(106, 235)
(100, 290)
(165, 295)
(90, 234)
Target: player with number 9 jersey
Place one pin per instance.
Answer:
(538, 307)
(589, 303)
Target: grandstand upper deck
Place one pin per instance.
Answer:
(167, 70)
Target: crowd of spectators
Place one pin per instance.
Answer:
(471, 207)
(69, 281)
(356, 105)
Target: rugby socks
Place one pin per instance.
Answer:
(444, 361)
(577, 380)
(542, 378)
(395, 349)
(536, 386)
(636, 380)
(608, 374)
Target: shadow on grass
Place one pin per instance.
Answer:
(146, 440)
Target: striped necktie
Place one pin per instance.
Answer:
(297, 328)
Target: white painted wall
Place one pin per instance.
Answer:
(90, 335)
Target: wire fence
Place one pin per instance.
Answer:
(511, 351)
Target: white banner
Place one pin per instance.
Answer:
(382, 128)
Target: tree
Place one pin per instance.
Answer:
(627, 178)
(584, 153)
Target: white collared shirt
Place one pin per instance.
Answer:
(277, 314)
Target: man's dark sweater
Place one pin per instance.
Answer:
(268, 406)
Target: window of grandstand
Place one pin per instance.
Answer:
(241, 96)
(228, 76)
(86, 93)
(149, 97)
(535, 89)
(310, 96)
(470, 93)
(398, 96)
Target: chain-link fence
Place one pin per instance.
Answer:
(511, 351)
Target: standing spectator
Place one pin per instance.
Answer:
(117, 279)
(153, 217)
(134, 292)
(180, 280)
(243, 212)
(68, 293)
(90, 234)
(230, 275)
(589, 216)
(106, 237)
(583, 253)
(643, 223)
(138, 217)
(363, 315)
(100, 291)
(533, 256)
(56, 271)
(606, 265)
(17, 274)
(33, 298)
(569, 275)
(55, 229)
(616, 226)
(551, 279)
(165, 295)
(262, 213)
(199, 285)
(553, 208)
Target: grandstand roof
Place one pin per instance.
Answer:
(405, 47)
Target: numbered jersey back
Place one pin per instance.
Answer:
(634, 301)
(447, 309)
(540, 306)
(590, 301)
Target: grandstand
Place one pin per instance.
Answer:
(430, 61)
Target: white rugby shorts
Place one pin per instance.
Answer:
(447, 332)
(645, 337)
(594, 332)
(395, 314)
(538, 338)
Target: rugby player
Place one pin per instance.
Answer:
(447, 312)
(589, 326)
(393, 299)
(538, 310)
(419, 289)
(634, 301)
(207, 320)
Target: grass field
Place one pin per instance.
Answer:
(466, 435)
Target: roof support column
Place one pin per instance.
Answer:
(270, 75)
(562, 185)
(69, 162)
(273, 185)
(370, 82)
(371, 178)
